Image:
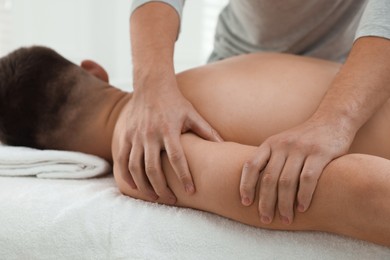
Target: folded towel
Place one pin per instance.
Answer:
(24, 161)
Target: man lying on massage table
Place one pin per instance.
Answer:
(49, 103)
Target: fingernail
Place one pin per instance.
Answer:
(154, 196)
(285, 220)
(189, 188)
(217, 136)
(265, 219)
(301, 208)
(246, 201)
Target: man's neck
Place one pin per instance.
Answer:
(115, 107)
(96, 134)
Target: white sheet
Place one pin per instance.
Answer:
(90, 219)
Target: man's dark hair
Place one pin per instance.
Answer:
(35, 86)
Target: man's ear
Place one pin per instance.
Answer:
(95, 69)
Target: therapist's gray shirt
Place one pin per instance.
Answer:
(319, 28)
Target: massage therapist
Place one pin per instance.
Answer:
(288, 165)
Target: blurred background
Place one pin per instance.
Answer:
(99, 30)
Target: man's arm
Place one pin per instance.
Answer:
(158, 113)
(293, 161)
(341, 203)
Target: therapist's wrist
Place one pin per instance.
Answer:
(340, 121)
(158, 76)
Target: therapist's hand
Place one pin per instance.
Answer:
(154, 120)
(288, 166)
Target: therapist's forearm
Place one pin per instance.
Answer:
(361, 86)
(153, 30)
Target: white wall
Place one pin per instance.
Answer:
(99, 30)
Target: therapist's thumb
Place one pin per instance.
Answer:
(200, 127)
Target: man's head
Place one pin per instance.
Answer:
(42, 95)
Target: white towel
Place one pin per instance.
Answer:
(24, 161)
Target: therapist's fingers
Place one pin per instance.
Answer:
(269, 185)
(311, 172)
(155, 174)
(136, 168)
(287, 187)
(178, 161)
(121, 162)
(199, 126)
(250, 174)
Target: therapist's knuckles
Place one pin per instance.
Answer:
(175, 156)
(122, 159)
(286, 182)
(151, 169)
(135, 168)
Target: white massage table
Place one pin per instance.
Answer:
(90, 219)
